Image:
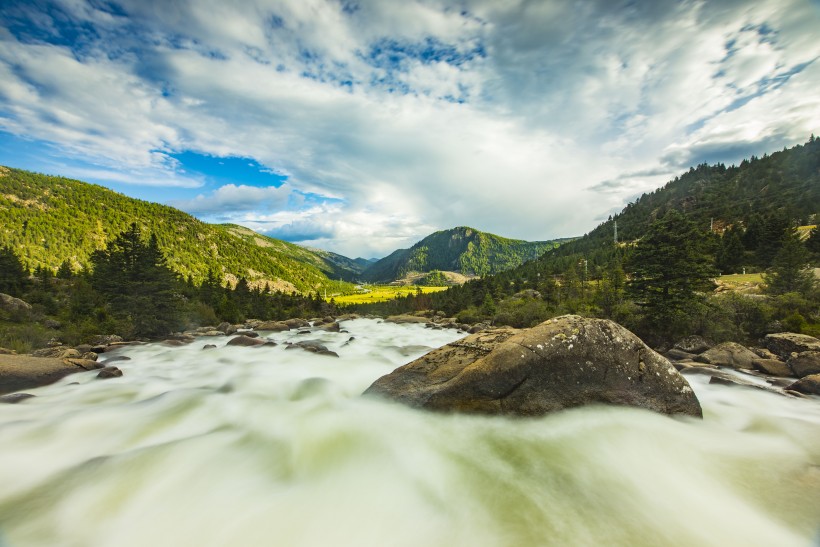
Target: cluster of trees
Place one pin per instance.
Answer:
(661, 287)
(130, 290)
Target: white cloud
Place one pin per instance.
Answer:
(560, 97)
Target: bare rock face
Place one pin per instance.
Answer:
(562, 363)
(784, 344)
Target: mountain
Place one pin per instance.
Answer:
(463, 250)
(48, 220)
(761, 194)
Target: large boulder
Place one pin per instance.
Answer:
(784, 344)
(406, 319)
(729, 354)
(19, 372)
(11, 304)
(562, 363)
(805, 364)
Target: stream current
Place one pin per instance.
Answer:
(255, 446)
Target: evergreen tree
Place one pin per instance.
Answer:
(813, 244)
(729, 257)
(669, 267)
(789, 271)
(136, 283)
(13, 275)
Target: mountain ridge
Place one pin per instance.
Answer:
(462, 249)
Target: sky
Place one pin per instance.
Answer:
(362, 126)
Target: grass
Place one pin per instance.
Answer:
(381, 293)
(739, 279)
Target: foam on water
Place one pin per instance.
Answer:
(268, 446)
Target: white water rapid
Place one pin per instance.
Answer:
(266, 446)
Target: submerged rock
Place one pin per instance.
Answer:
(562, 363)
(313, 346)
(109, 372)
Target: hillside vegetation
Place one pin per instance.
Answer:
(49, 220)
(758, 217)
(463, 250)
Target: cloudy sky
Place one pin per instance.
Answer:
(361, 126)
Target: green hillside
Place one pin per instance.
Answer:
(760, 195)
(48, 220)
(462, 250)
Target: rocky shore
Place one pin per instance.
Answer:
(564, 362)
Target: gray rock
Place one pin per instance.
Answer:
(693, 344)
(245, 341)
(52, 351)
(9, 303)
(209, 346)
(105, 339)
(296, 323)
(774, 367)
(405, 319)
(562, 363)
(810, 385)
(109, 372)
(14, 398)
(313, 346)
(783, 344)
(679, 355)
(333, 326)
(728, 354)
(21, 372)
(223, 327)
(805, 363)
(273, 326)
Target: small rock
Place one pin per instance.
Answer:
(86, 364)
(14, 398)
(245, 341)
(331, 327)
(273, 326)
(679, 355)
(105, 339)
(296, 323)
(728, 354)
(313, 346)
(693, 344)
(209, 346)
(805, 363)
(109, 372)
(223, 327)
(810, 385)
(775, 367)
(89, 355)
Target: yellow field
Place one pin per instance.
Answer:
(381, 293)
(740, 279)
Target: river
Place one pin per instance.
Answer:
(267, 446)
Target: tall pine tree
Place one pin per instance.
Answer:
(670, 267)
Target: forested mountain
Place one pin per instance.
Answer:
(463, 250)
(49, 220)
(755, 200)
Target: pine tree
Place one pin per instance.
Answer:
(729, 257)
(670, 268)
(789, 271)
(13, 275)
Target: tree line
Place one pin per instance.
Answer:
(130, 290)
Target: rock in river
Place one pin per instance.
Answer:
(565, 362)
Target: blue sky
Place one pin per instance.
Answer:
(362, 126)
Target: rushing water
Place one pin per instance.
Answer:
(268, 446)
